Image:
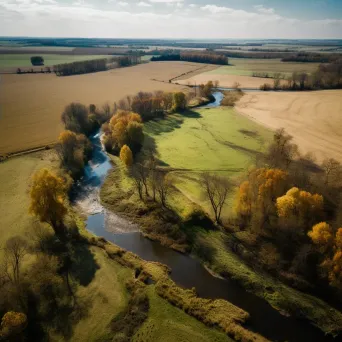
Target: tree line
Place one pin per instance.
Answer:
(327, 76)
(311, 57)
(194, 56)
(95, 65)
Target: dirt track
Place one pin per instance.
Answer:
(314, 119)
(31, 105)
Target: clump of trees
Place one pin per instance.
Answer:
(37, 60)
(152, 105)
(288, 208)
(80, 119)
(74, 151)
(124, 128)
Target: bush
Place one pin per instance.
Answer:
(126, 156)
(266, 87)
(37, 60)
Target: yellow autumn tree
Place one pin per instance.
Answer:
(301, 204)
(126, 155)
(256, 196)
(322, 234)
(338, 238)
(333, 267)
(48, 195)
(12, 323)
(120, 129)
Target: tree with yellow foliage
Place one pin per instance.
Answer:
(125, 128)
(12, 324)
(126, 155)
(257, 195)
(330, 247)
(48, 195)
(300, 204)
(322, 235)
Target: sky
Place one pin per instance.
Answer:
(197, 19)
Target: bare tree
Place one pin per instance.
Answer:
(282, 151)
(163, 187)
(139, 185)
(332, 169)
(14, 252)
(216, 189)
(143, 172)
(153, 175)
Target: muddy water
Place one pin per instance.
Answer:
(186, 271)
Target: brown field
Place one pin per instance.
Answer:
(225, 80)
(314, 119)
(31, 105)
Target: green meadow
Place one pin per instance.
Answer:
(216, 140)
(24, 60)
(246, 67)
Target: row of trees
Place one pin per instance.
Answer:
(326, 77)
(84, 67)
(194, 56)
(151, 105)
(312, 57)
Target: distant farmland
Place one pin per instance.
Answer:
(31, 105)
(24, 60)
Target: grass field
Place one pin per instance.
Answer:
(241, 70)
(31, 105)
(217, 140)
(24, 60)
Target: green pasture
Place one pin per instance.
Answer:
(217, 140)
(24, 60)
(246, 67)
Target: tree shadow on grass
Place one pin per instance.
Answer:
(191, 114)
(84, 265)
(166, 125)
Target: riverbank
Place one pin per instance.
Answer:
(211, 247)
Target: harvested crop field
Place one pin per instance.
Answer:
(314, 118)
(31, 105)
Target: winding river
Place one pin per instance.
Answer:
(186, 271)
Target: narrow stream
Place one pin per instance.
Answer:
(186, 271)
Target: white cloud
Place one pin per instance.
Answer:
(264, 10)
(193, 5)
(165, 1)
(215, 9)
(143, 4)
(123, 3)
(27, 17)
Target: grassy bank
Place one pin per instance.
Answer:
(103, 274)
